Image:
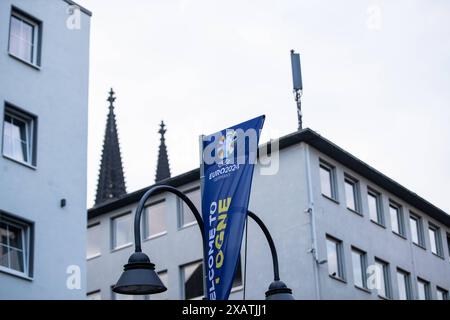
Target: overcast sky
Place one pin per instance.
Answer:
(376, 78)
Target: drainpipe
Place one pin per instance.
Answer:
(311, 213)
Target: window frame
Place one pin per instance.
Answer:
(332, 179)
(378, 206)
(27, 233)
(340, 263)
(180, 209)
(438, 240)
(420, 232)
(444, 293)
(31, 122)
(183, 280)
(408, 286)
(386, 277)
(146, 230)
(37, 26)
(448, 244)
(356, 193)
(113, 232)
(93, 225)
(363, 264)
(400, 219)
(427, 288)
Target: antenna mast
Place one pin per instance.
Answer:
(297, 85)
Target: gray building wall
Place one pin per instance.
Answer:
(281, 201)
(57, 93)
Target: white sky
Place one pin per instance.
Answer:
(375, 73)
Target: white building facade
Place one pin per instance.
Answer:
(342, 231)
(44, 68)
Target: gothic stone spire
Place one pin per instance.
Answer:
(162, 169)
(111, 182)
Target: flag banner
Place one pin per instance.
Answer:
(228, 159)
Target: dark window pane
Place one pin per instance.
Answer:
(193, 280)
(237, 281)
(15, 237)
(3, 234)
(4, 262)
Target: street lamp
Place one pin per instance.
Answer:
(139, 276)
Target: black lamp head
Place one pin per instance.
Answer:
(279, 291)
(139, 277)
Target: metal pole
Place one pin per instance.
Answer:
(298, 95)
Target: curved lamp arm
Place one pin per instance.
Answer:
(141, 205)
(273, 250)
(180, 194)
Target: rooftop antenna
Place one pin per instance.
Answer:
(297, 84)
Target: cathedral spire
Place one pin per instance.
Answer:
(111, 182)
(162, 169)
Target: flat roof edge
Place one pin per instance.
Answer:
(83, 9)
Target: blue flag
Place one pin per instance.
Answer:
(228, 158)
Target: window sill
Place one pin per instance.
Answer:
(93, 257)
(420, 246)
(378, 224)
(337, 278)
(15, 274)
(187, 225)
(122, 247)
(237, 289)
(20, 162)
(331, 199)
(399, 235)
(363, 289)
(34, 66)
(383, 297)
(154, 236)
(438, 255)
(355, 212)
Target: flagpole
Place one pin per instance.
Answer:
(202, 183)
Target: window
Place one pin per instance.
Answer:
(415, 223)
(93, 241)
(186, 217)
(448, 245)
(374, 202)
(15, 245)
(423, 289)
(327, 181)
(441, 294)
(383, 279)
(359, 262)
(404, 285)
(19, 135)
(24, 37)
(192, 277)
(122, 231)
(94, 295)
(397, 224)
(155, 220)
(352, 194)
(435, 240)
(335, 258)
